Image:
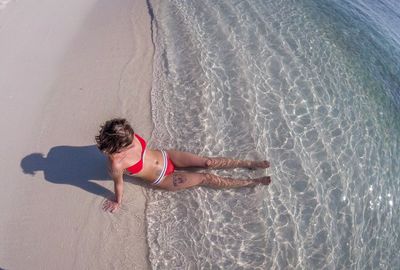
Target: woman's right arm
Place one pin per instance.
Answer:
(118, 187)
(117, 176)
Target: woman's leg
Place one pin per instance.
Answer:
(185, 159)
(184, 180)
(227, 163)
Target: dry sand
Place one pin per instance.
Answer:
(65, 67)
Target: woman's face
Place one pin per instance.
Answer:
(134, 146)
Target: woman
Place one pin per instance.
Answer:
(127, 153)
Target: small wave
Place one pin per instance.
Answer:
(288, 82)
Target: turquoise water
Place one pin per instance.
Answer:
(312, 86)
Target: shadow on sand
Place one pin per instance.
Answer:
(71, 165)
(76, 166)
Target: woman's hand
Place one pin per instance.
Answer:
(111, 206)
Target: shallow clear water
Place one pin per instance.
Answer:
(312, 86)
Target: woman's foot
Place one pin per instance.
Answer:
(266, 180)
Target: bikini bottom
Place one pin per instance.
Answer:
(167, 169)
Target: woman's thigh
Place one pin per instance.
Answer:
(186, 159)
(182, 180)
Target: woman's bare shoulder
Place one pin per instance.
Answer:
(115, 168)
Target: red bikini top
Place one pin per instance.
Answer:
(135, 168)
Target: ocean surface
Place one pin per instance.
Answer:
(311, 85)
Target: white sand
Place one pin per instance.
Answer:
(65, 67)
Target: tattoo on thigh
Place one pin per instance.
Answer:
(178, 179)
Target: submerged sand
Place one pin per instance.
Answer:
(65, 68)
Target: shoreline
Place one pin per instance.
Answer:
(64, 71)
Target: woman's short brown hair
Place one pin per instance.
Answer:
(114, 135)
